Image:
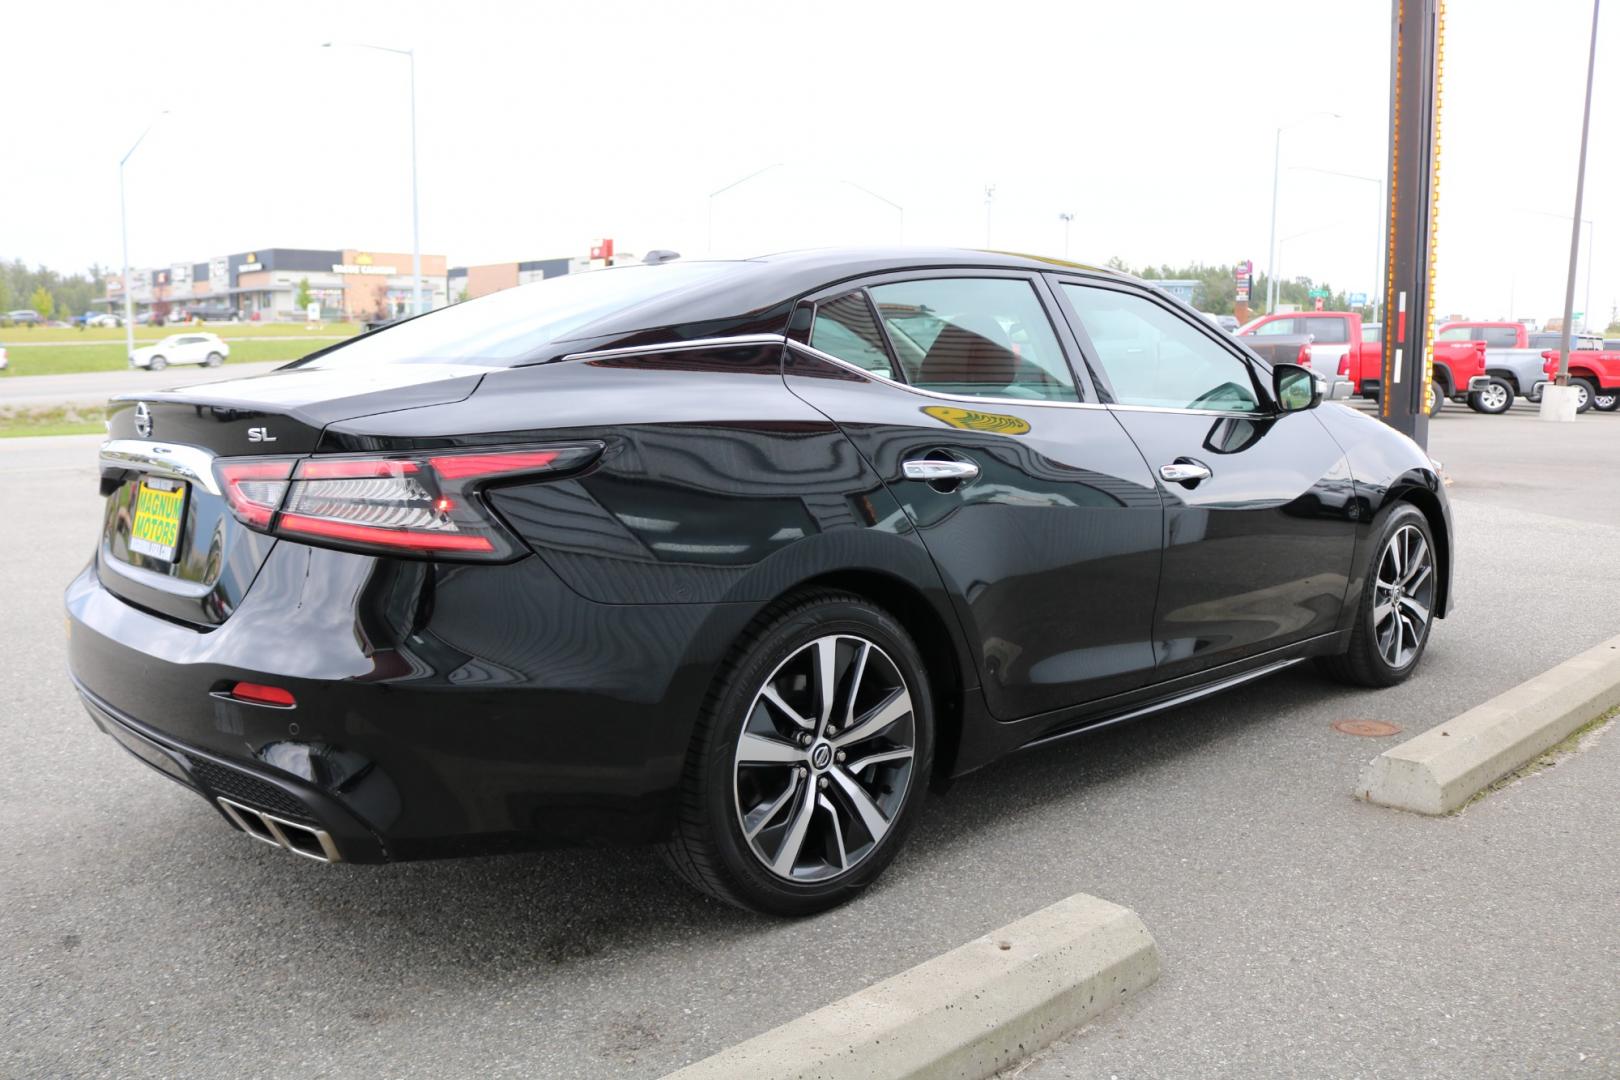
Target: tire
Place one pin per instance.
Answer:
(157, 363)
(798, 859)
(1587, 391)
(213, 360)
(1375, 656)
(1606, 400)
(1494, 400)
(1436, 398)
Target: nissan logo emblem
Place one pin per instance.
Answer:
(821, 756)
(143, 420)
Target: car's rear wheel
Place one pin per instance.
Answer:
(1586, 393)
(1396, 607)
(157, 363)
(214, 360)
(1495, 399)
(810, 760)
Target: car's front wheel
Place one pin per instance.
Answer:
(1436, 399)
(157, 363)
(810, 759)
(214, 360)
(1396, 607)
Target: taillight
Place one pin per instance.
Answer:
(1479, 355)
(260, 694)
(1344, 364)
(1304, 358)
(426, 504)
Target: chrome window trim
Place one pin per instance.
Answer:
(1217, 413)
(736, 341)
(812, 351)
(178, 460)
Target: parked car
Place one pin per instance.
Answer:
(1228, 323)
(24, 317)
(738, 557)
(1595, 373)
(209, 313)
(1513, 357)
(4, 361)
(206, 349)
(105, 318)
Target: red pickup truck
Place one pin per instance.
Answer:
(1358, 349)
(1595, 373)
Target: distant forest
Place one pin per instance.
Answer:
(54, 295)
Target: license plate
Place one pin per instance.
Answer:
(159, 509)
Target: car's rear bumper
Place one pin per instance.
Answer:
(1478, 383)
(440, 711)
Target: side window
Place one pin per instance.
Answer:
(1372, 333)
(978, 337)
(1279, 326)
(1454, 333)
(1328, 331)
(1500, 337)
(846, 328)
(1154, 357)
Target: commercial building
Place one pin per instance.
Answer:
(471, 282)
(347, 283)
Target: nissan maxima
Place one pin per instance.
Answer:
(737, 558)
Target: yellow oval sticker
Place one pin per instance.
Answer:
(974, 420)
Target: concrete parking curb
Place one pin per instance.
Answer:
(1441, 769)
(966, 1014)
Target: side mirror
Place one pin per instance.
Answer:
(1295, 388)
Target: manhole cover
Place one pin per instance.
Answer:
(1371, 729)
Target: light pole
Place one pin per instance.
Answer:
(1378, 217)
(1276, 175)
(416, 217)
(728, 187)
(898, 208)
(1067, 218)
(123, 217)
(989, 199)
(1550, 408)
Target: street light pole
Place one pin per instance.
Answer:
(123, 221)
(737, 183)
(1276, 175)
(416, 216)
(1067, 218)
(989, 199)
(1547, 406)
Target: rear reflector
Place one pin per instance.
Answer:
(415, 505)
(260, 694)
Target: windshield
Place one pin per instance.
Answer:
(506, 328)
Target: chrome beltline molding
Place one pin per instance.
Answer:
(736, 341)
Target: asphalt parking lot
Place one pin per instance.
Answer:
(1303, 933)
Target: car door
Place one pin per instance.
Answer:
(1039, 512)
(1259, 518)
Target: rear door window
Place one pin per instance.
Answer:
(975, 337)
(1328, 331)
(1499, 337)
(1279, 326)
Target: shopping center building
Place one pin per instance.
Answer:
(347, 283)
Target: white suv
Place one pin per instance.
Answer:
(205, 349)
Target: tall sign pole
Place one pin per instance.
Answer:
(1414, 162)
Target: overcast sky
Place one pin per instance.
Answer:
(543, 126)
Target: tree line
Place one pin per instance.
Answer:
(1216, 292)
(53, 295)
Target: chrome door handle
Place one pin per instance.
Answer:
(933, 469)
(1183, 472)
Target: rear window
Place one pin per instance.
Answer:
(506, 328)
(1328, 330)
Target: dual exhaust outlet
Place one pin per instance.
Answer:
(300, 839)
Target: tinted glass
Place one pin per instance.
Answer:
(1154, 357)
(847, 329)
(1329, 331)
(1279, 326)
(1372, 333)
(507, 327)
(980, 337)
(1453, 333)
(1499, 337)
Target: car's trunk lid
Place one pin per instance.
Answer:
(169, 541)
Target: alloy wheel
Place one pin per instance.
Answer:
(1403, 596)
(824, 759)
(1494, 397)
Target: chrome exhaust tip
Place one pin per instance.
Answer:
(293, 836)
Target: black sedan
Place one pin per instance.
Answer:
(735, 557)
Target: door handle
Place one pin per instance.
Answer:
(1184, 472)
(933, 470)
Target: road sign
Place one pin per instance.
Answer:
(1318, 294)
(1357, 299)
